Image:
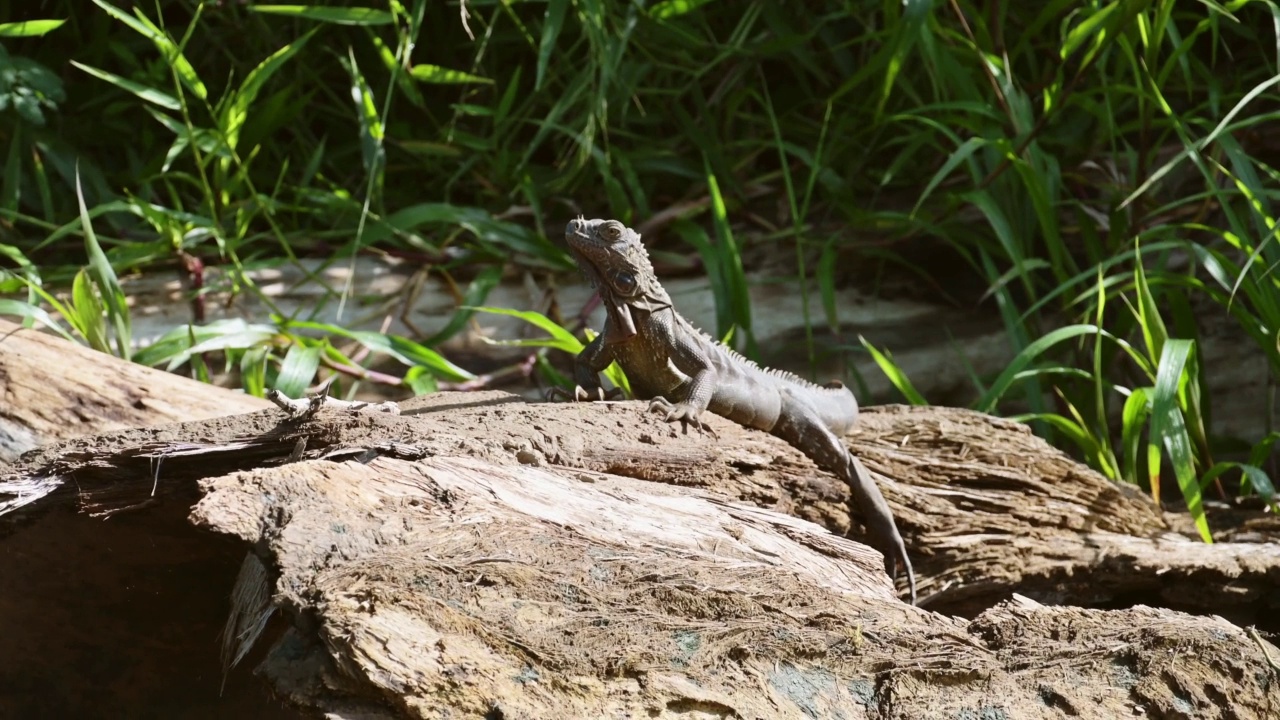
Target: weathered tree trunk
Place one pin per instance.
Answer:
(484, 556)
(53, 390)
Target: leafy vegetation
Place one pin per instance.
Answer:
(1100, 167)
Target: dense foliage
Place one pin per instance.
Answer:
(1099, 167)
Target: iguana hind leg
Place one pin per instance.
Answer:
(806, 433)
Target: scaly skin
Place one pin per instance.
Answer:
(685, 372)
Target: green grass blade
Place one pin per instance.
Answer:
(173, 56)
(1133, 419)
(1169, 430)
(477, 292)
(104, 277)
(987, 403)
(402, 349)
(728, 258)
(29, 28)
(333, 15)
(10, 193)
(552, 23)
(27, 311)
(894, 373)
(90, 319)
(1069, 428)
(558, 338)
(961, 154)
(1195, 148)
(1154, 333)
(235, 109)
(674, 8)
(149, 94)
(436, 75)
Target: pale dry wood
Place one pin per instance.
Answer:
(52, 390)
(451, 582)
(987, 508)
(494, 556)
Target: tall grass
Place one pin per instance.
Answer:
(1098, 166)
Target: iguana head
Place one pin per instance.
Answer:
(618, 266)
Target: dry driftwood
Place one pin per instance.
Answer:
(53, 390)
(492, 556)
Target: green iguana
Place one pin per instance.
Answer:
(685, 372)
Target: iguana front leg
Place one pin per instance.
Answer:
(592, 361)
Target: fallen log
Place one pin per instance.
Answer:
(495, 557)
(54, 390)
(987, 508)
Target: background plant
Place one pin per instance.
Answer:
(1097, 169)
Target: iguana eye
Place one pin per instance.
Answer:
(624, 283)
(612, 230)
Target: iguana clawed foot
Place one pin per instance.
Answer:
(581, 394)
(683, 413)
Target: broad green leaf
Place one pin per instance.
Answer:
(1261, 483)
(253, 370)
(297, 370)
(421, 381)
(176, 346)
(242, 337)
(1254, 475)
